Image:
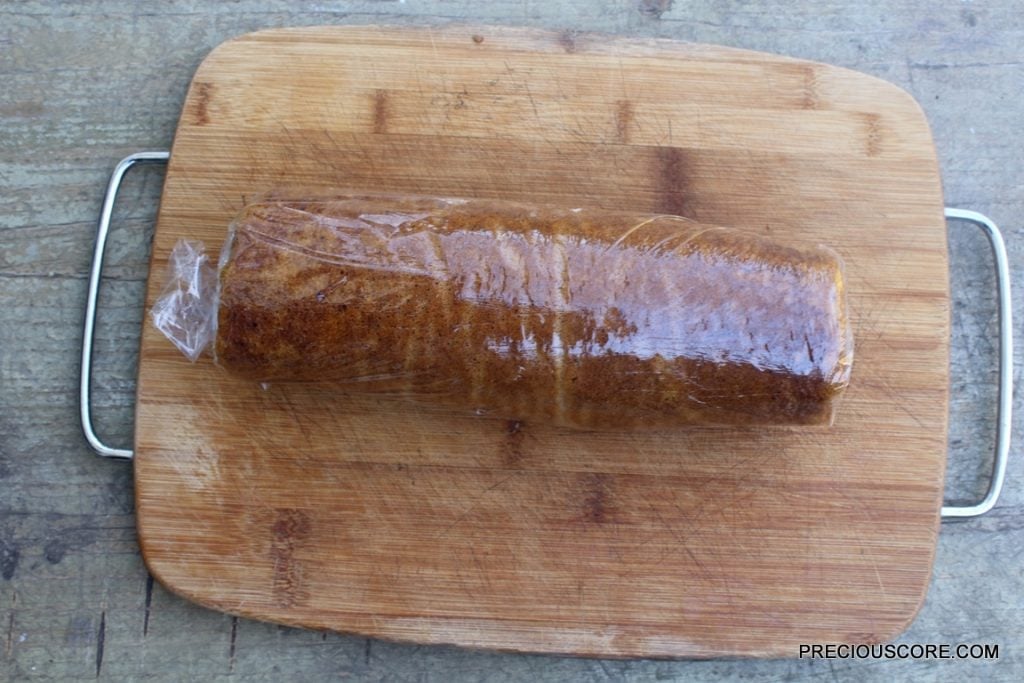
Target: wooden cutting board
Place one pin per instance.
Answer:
(368, 516)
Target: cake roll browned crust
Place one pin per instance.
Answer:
(575, 317)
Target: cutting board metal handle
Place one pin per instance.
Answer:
(85, 407)
(995, 487)
(948, 511)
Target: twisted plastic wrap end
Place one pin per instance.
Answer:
(186, 310)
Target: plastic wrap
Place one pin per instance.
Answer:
(575, 317)
(186, 310)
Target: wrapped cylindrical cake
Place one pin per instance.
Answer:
(574, 317)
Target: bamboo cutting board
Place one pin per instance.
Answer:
(368, 516)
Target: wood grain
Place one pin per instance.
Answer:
(368, 516)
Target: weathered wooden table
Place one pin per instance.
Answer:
(87, 83)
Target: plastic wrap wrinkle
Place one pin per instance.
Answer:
(186, 310)
(576, 317)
